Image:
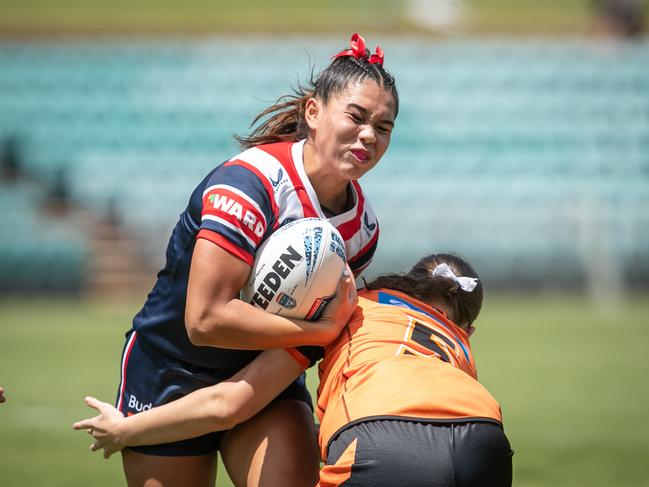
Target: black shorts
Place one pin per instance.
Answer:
(396, 452)
(149, 378)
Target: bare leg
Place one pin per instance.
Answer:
(276, 447)
(157, 471)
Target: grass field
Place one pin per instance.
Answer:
(572, 381)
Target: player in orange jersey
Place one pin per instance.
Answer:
(398, 402)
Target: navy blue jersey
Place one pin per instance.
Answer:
(237, 206)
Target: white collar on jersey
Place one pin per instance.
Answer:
(297, 152)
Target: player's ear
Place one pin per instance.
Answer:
(311, 111)
(470, 330)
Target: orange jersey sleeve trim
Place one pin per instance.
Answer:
(302, 361)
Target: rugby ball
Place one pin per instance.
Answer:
(297, 269)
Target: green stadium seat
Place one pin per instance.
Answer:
(37, 254)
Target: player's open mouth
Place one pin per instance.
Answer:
(360, 154)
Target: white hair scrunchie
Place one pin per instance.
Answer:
(467, 284)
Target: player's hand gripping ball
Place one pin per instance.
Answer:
(297, 269)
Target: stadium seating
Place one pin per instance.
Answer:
(37, 255)
(530, 158)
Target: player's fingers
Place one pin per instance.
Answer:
(93, 402)
(103, 408)
(344, 283)
(350, 286)
(84, 424)
(352, 293)
(348, 272)
(344, 289)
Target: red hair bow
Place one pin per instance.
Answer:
(359, 51)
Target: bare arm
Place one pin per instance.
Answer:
(214, 316)
(2, 395)
(214, 408)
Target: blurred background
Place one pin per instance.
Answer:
(522, 143)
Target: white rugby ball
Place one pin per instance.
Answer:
(297, 269)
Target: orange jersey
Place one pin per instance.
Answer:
(399, 357)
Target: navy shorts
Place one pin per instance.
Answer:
(389, 452)
(149, 378)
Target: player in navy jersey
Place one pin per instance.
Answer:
(303, 160)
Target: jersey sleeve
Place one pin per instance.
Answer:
(362, 234)
(364, 257)
(236, 210)
(306, 355)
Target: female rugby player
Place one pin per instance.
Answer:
(399, 401)
(303, 160)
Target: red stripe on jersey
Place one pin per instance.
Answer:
(282, 152)
(264, 181)
(348, 229)
(127, 354)
(225, 244)
(364, 250)
(236, 210)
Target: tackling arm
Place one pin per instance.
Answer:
(214, 408)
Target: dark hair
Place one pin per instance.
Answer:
(287, 123)
(420, 283)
